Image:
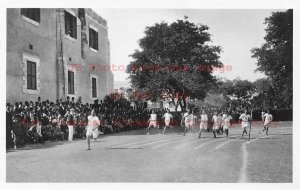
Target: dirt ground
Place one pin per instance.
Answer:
(137, 157)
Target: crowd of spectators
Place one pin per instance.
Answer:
(42, 121)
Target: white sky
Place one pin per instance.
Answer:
(237, 31)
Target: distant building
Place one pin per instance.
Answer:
(55, 53)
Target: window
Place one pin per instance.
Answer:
(31, 75)
(70, 82)
(33, 14)
(70, 25)
(94, 87)
(93, 39)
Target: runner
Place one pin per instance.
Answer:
(167, 117)
(216, 120)
(226, 122)
(203, 122)
(152, 121)
(268, 118)
(188, 121)
(245, 121)
(93, 123)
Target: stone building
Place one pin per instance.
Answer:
(55, 53)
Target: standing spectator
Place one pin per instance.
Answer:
(9, 127)
(70, 122)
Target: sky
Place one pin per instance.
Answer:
(237, 31)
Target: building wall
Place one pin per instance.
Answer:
(45, 39)
(99, 58)
(20, 34)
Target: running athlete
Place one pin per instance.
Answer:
(245, 121)
(226, 123)
(93, 123)
(203, 122)
(268, 118)
(216, 120)
(152, 121)
(188, 121)
(167, 117)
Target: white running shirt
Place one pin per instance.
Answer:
(188, 117)
(93, 121)
(268, 118)
(167, 116)
(153, 117)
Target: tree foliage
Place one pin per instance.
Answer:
(237, 93)
(275, 56)
(175, 61)
(264, 94)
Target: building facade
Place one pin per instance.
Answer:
(55, 53)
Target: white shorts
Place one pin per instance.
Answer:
(92, 130)
(188, 123)
(167, 123)
(203, 126)
(152, 123)
(216, 127)
(267, 123)
(245, 124)
(226, 126)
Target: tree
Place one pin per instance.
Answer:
(237, 93)
(275, 56)
(264, 94)
(175, 62)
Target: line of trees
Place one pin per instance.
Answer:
(175, 63)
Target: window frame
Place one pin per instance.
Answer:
(70, 19)
(94, 87)
(26, 17)
(33, 58)
(71, 82)
(91, 86)
(93, 35)
(31, 76)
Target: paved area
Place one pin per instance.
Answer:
(137, 157)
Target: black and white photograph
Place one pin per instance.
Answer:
(147, 94)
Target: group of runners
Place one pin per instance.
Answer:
(221, 123)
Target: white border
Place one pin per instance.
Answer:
(205, 4)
